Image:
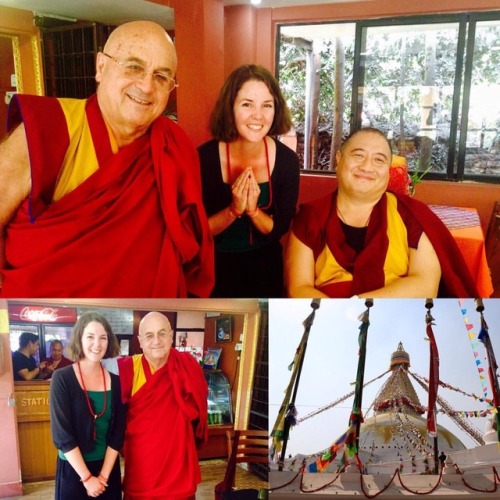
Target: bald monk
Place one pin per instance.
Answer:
(102, 197)
(166, 395)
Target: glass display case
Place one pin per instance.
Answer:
(220, 408)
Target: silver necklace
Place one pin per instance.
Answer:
(343, 219)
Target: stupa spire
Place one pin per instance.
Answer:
(398, 393)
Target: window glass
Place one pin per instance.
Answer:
(407, 89)
(482, 153)
(431, 83)
(315, 71)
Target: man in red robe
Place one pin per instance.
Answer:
(56, 360)
(102, 197)
(363, 241)
(167, 395)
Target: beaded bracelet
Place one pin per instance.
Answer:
(85, 480)
(234, 213)
(253, 213)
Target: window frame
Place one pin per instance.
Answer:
(466, 24)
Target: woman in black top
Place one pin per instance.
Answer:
(250, 184)
(87, 417)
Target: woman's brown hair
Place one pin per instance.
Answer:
(75, 350)
(222, 124)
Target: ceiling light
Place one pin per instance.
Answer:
(255, 2)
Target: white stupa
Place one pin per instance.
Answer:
(397, 433)
(397, 455)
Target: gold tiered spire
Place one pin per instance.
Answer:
(398, 394)
(400, 357)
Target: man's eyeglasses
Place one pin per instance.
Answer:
(150, 336)
(135, 71)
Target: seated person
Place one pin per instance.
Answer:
(56, 359)
(364, 241)
(23, 363)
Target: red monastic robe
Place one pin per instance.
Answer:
(166, 420)
(135, 228)
(317, 225)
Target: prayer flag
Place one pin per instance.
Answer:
(433, 381)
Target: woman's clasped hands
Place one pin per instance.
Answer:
(245, 191)
(96, 486)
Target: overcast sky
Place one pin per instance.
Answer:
(332, 357)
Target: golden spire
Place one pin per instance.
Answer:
(398, 391)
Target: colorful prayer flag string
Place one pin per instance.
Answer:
(484, 337)
(474, 345)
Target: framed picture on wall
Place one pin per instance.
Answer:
(223, 329)
(211, 358)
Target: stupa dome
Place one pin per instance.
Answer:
(397, 432)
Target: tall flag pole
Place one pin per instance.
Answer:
(356, 417)
(350, 439)
(433, 381)
(287, 413)
(484, 337)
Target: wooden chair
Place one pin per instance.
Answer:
(244, 446)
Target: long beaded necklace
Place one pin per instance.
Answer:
(230, 177)
(89, 404)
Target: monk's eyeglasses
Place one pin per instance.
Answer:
(149, 336)
(135, 71)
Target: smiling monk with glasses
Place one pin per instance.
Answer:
(107, 187)
(167, 396)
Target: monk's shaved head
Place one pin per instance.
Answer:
(155, 338)
(139, 32)
(154, 319)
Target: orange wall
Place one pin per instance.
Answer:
(240, 24)
(199, 39)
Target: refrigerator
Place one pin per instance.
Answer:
(220, 415)
(220, 409)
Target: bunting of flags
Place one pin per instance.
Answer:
(328, 455)
(469, 414)
(452, 388)
(484, 337)
(474, 345)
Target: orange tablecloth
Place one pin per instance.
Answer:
(465, 226)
